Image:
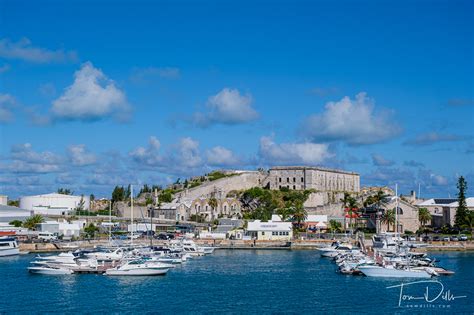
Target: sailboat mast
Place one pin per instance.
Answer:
(131, 211)
(396, 209)
(110, 221)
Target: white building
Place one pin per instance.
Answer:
(3, 200)
(270, 231)
(54, 204)
(63, 228)
(10, 213)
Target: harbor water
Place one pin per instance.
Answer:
(236, 281)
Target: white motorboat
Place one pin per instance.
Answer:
(206, 249)
(139, 268)
(391, 272)
(48, 270)
(8, 246)
(106, 255)
(332, 252)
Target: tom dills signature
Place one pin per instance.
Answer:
(434, 291)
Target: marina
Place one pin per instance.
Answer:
(228, 281)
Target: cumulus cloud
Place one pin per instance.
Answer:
(148, 156)
(92, 96)
(379, 160)
(227, 107)
(292, 153)
(23, 159)
(188, 153)
(353, 121)
(7, 103)
(431, 138)
(79, 156)
(24, 50)
(220, 156)
(144, 74)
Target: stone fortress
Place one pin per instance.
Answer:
(329, 186)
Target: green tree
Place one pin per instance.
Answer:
(285, 213)
(353, 208)
(16, 223)
(13, 203)
(91, 230)
(462, 211)
(165, 196)
(469, 222)
(118, 194)
(92, 197)
(389, 218)
(80, 205)
(424, 216)
(335, 226)
(64, 191)
(32, 221)
(299, 214)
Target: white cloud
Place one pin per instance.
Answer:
(92, 96)
(79, 156)
(352, 121)
(220, 156)
(227, 107)
(439, 180)
(7, 103)
(24, 50)
(293, 153)
(188, 153)
(379, 160)
(148, 156)
(25, 160)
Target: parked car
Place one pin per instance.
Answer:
(47, 236)
(454, 238)
(133, 237)
(412, 238)
(462, 237)
(446, 239)
(436, 239)
(426, 239)
(161, 236)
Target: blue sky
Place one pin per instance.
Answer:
(99, 93)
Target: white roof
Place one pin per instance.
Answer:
(258, 225)
(56, 195)
(432, 202)
(316, 218)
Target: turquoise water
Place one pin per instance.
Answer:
(239, 281)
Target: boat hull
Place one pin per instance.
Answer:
(136, 272)
(9, 252)
(381, 272)
(49, 271)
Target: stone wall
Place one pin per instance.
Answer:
(320, 179)
(222, 186)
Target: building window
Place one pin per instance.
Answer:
(294, 179)
(302, 179)
(287, 179)
(263, 233)
(279, 186)
(279, 179)
(274, 233)
(294, 186)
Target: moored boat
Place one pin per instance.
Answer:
(8, 246)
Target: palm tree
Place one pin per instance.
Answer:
(32, 221)
(424, 216)
(352, 210)
(213, 204)
(345, 201)
(469, 222)
(285, 213)
(389, 218)
(334, 226)
(299, 214)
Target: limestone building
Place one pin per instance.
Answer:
(320, 179)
